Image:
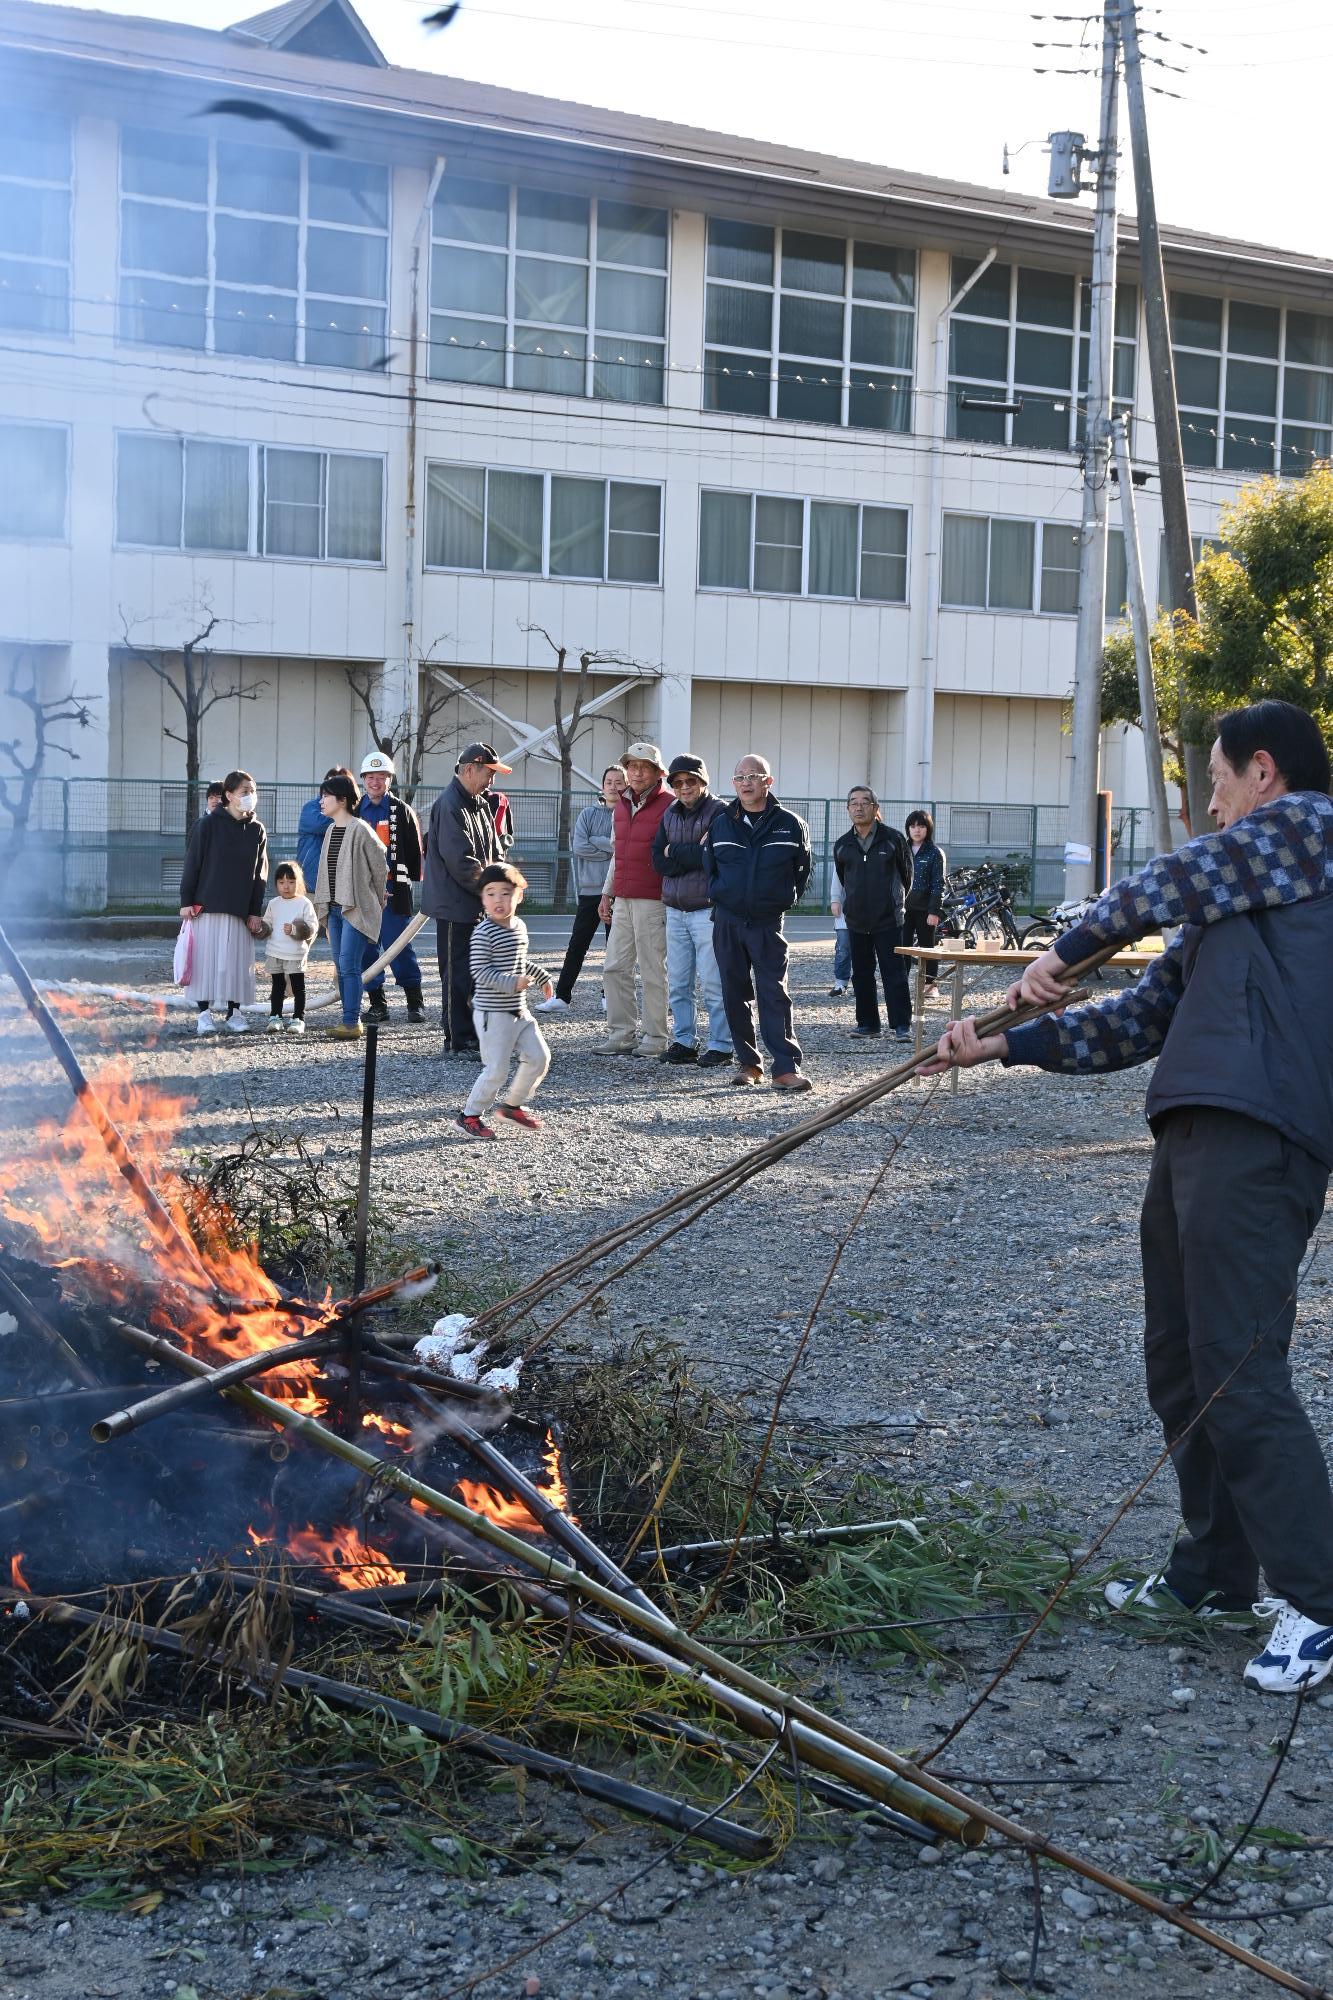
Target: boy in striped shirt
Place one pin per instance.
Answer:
(501, 976)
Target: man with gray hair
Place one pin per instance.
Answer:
(757, 860)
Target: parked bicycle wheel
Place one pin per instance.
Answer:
(1039, 935)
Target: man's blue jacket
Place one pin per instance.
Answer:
(756, 873)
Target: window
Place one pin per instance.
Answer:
(1022, 336)
(241, 499)
(999, 565)
(256, 250)
(34, 481)
(802, 548)
(35, 174)
(1241, 371)
(542, 524)
(537, 289)
(813, 329)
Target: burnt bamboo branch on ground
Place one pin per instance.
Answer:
(485, 1744)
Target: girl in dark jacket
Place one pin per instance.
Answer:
(929, 867)
(222, 894)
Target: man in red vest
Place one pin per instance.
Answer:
(632, 905)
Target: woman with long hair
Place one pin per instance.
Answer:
(222, 895)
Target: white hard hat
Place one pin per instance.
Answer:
(375, 760)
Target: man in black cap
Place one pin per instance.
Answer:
(678, 857)
(461, 840)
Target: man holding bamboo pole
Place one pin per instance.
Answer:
(1237, 1010)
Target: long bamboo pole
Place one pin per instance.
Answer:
(181, 1394)
(997, 1021)
(919, 1792)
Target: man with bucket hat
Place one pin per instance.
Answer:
(632, 903)
(461, 840)
(394, 823)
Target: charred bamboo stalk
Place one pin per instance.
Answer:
(718, 1185)
(847, 1531)
(181, 1394)
(165, 1226)
(636, 1799)
(427, 1378)
(27, 1313)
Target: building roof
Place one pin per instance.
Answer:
(486, 130)
(329, 28)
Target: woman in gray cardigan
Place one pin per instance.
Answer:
(349, 894)
(591, 852)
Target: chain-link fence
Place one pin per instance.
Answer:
(106, 844)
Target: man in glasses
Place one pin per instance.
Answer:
(758, 862)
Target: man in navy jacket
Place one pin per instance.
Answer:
(757, 859)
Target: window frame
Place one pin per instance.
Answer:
(65, 263)
(1197, 420)
(301, 294)
(255, 550)
(28, 539)
(1039, 524)
(510, 324)
(544, 575)
(900, 381)
(1011, 389)
(805, 594)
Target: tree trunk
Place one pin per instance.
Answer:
(194, 804)
(564, 817)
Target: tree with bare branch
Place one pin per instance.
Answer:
(23, 757)
(189, 671)
(405, 740)
(573, 698)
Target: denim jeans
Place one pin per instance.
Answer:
(406, 968)
(842, 956)
(689, 956)
(348, 946)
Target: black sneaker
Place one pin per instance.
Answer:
(714, 1058)
(678, 1053)
(863, 1031)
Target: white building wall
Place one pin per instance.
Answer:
(830, 692)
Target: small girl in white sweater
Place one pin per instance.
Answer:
(293, 926)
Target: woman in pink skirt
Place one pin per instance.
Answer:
(222, 892)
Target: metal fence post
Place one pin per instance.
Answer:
(1032, 862)
(64, 843)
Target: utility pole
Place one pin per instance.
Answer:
(1161, 371)
(1091, 634)
(1159, 812)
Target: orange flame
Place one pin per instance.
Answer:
(512, 1514)
(348, 1558)
(65, 1194)
(373, 1421)
(16, 1576)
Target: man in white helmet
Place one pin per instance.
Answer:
(396, 825)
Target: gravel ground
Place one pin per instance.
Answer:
(992, 1292)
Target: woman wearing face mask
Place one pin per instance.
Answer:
(222, 891)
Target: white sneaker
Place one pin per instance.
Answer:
(238, 1024)
(603, 1003)
(273, 1025)
(1299, 1653)
(1154, 1594)
(555, 1005)
(205, 1025)
(296, 1026)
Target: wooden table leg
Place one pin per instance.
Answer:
(920, 969)
(956, 1014)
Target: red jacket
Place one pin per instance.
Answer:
(635, 831)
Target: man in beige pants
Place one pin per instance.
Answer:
(632, 905)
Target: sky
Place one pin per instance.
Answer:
(935, 86)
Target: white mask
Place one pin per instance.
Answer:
(247, 801)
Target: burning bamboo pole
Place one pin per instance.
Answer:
(181, 1394)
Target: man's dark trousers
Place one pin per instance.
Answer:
(879, 947)
(1230, 1208)
(453, 954)
(752, 959)
(580, 937)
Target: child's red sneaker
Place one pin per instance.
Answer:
(476, 1128)
(518, 1114)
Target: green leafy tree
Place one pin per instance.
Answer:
(1265, 623)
